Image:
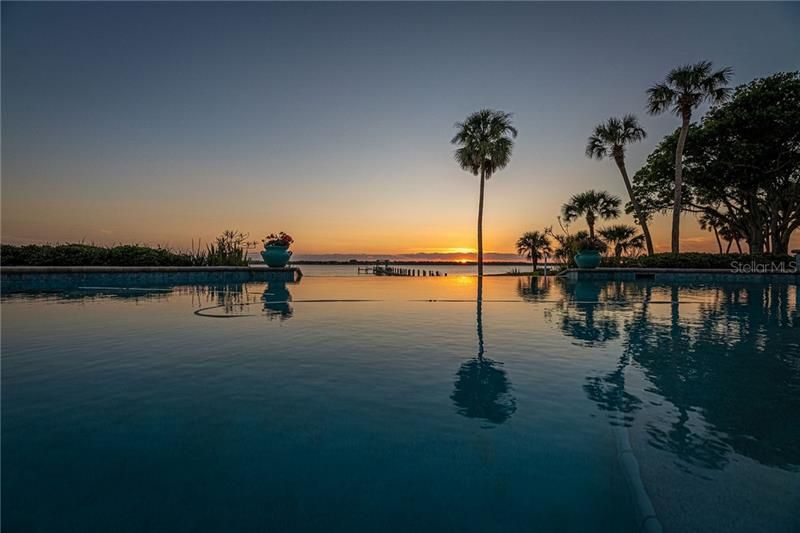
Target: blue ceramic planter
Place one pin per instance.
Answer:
(276, 256)
(588, 259)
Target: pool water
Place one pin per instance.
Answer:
(403, 404)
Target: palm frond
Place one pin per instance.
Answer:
(485, 141)
(687, 86)
(613, 135)
(660, 98)
(596, 147)
(533, 245)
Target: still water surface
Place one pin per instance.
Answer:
(450, 270)
(396, 404)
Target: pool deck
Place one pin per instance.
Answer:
(14, 278)
(677, 275)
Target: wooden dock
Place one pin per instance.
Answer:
(385, 270)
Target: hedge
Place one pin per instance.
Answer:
(89, 255)
(701, 260)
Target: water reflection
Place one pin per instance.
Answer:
(277, 300)
(230, 298)
(92, 293)
(534, 288)
(722, 366)
(482, 389)
(737, 362)
(236, 300)
(581, 316)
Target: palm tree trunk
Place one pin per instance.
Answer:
(533, 263)
(480, 225)
(719, 242)
(636, 207)
(774, 235)
(590, 223)
(479, 318)
(676, 208)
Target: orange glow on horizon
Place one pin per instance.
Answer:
(435, 235)
(468, 251)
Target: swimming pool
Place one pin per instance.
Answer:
(396, 404)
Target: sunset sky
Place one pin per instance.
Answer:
(164, 123)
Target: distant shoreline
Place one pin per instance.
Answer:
(427, 263)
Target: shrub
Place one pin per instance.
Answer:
(89, 255)
(230, 249)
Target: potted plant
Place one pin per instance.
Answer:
(276, 249)
(588, 252)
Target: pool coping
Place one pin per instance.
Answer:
(62, 269)
(675, 274)
(48, 278)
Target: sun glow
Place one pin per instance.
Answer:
(458, 251)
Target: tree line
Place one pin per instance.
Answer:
(738, 169)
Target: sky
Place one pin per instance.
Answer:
(167, 123)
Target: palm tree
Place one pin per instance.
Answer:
(533, 245)
(609, 139)
(591, 204)
(484, 143)
(710, 222)
(623, 238)
(731, 234)
(683, 90)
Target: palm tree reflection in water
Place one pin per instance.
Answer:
(482, 389)
(583, 315)
(719, 366)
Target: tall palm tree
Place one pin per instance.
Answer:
(610, 139)
(591, 204)
(683, 90)
(485, 141)
(533, 245)
(623, 238)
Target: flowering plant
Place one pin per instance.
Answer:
(281, 239)
(590, 243)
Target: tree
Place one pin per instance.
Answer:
(741, 166)
(610, 139)
(567, 246)
(683, 90)
(533, 245)
(623, 238)
(751, 161)
(731, 235)
(591, 204)
(712, 223)
(485, 142)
